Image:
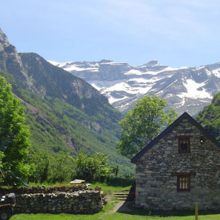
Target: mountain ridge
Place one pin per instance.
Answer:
(34, 73)
(65, 113)
(184, 88)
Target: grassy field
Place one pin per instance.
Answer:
(108, 214)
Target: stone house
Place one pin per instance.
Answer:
(179, 168)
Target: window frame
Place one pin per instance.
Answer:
(185, 176)
(187, 139)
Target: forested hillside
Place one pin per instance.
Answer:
(209, 117)
(65, 113)
(58, 127)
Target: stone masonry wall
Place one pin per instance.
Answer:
(156, 185)
(58, 200)
(43, 189)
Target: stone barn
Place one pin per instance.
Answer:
(179, 168)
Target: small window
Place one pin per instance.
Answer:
(183, 183)
(184, 145)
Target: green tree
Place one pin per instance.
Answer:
(1, 172)
(51, 168)
(14, 136)
(209, 117)
(143, 123)
(40, 167)
(94, 168)
(63, 169)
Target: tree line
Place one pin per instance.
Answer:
(19, 162)
(63, 168)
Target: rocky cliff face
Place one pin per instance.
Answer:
(11, 62)
(55, 82)
(35, 74)
(65, 113)
(185, 88)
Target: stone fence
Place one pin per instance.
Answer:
(43, 189)
(75, 200)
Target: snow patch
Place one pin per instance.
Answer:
(166, 69)
(201, 67)
(216, 72)
(208, 72)
(53, 62)
(139, 86)
(112, 100)
(193, 92)
(78, 69)
(71, 66)
(174, 69)
(134, 72)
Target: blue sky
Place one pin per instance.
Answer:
(175, 32)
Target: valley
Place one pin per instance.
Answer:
(65, 113)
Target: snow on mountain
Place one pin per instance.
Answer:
(77, 66)
(195, 90)
(185, 88)
(216, 72)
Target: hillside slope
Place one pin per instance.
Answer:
(64, 112)
(57, 126)
(209, 117)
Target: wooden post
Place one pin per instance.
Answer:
(196, 211)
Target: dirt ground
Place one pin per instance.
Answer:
(120, 206)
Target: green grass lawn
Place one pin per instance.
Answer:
(106, 213)
(108, 216)
(110, 189)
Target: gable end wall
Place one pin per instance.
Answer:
(156, 184)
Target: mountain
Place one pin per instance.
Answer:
(185, 88)
(35, 74)
(65, 113)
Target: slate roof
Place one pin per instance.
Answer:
(168, 129)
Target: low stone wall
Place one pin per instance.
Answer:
(43, 189)
(67, 200)
(60, 202)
